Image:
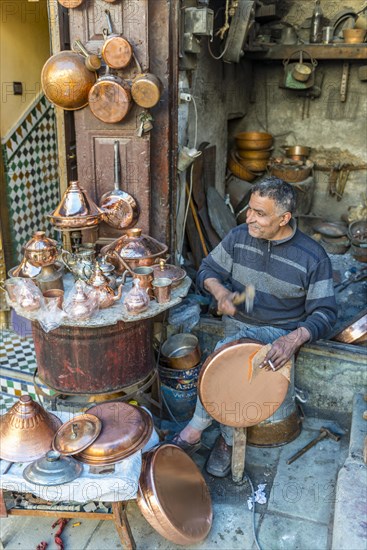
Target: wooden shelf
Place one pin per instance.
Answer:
(351, 52)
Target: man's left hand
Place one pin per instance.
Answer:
(284, 348)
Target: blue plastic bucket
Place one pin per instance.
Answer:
(181, 404)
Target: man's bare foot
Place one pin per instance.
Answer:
(191, 435)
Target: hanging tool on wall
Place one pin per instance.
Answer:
(344, 82)
(333, 178)
(342, 181)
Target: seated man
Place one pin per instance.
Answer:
(294, 300)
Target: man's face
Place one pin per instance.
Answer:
(265, 219)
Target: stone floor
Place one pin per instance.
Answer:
(298, 514)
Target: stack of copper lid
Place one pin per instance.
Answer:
(109, 433)
(173, 496)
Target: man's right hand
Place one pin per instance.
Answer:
(223, 296)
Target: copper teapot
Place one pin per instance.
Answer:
(137, 299)
(106, 295)
(82, 304)
(80, 263)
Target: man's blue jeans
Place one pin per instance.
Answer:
(234, 330)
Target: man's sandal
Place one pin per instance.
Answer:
(189, 448)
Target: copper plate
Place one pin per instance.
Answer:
(77, 434)
(173, 495)
(125, 430)
(234, 395)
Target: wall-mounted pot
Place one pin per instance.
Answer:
(110, 99)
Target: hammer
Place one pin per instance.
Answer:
(246, 296)
(324, 432)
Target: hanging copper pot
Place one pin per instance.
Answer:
(66, 81)
(146, 88)
(76, 209)
(134, 249)
(110, 98)
(116, 50)
(27, 431)
(120, 209)
(70, 3)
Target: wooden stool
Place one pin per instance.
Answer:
(118, 516)
(238, 454)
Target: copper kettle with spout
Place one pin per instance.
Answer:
(106, 295)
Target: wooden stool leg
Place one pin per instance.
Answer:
(122, 525)
(238, 453)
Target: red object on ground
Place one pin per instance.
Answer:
(58, 540)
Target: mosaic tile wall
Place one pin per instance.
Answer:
(17, 366)
(31, 171)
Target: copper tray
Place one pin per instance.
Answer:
(125, 430)
(355, 331)
(233, 393)
(77, 434)
(173, 496)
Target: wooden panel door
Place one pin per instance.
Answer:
(94, 139)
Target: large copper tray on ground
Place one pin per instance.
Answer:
(125, 430)
(173, 496)
(26, 431)
(356, 330)
(234, 393)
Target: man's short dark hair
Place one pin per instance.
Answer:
(282, 193)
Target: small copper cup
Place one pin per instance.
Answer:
(54, 294)
(162, 289)
(145, 275)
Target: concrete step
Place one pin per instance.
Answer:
(350, 527)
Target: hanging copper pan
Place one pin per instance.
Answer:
(116, 50)
(173, 496)
(110, 98)
(146, 88)
(70, 3)
(235, 392)
(66, 81)
(120, 209)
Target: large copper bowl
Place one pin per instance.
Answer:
(27, 431)
(132, 250)
(66, 81)
(125, 430)
(173, 496)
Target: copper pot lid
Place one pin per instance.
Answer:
(26, 431)
(53, 469)
(173, 495)
(234, 392)
(173, 272)
(135, 245)
(77, 434)
(125, 430)
(76, 209)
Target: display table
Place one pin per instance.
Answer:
(101, 355)
(117, 487)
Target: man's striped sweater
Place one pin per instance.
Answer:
(292, 278)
